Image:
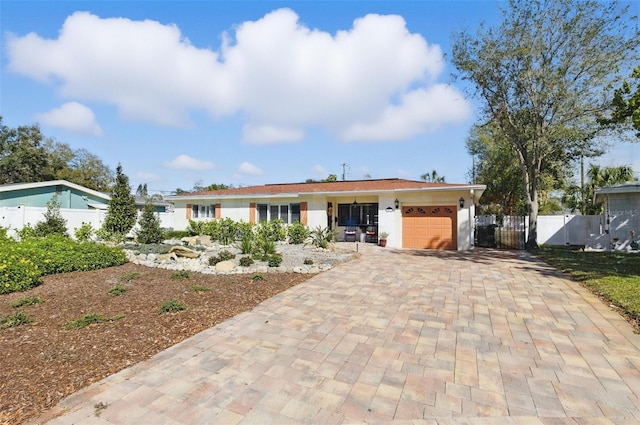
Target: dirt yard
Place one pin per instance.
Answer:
(42, 362)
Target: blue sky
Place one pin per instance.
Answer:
(248, 92)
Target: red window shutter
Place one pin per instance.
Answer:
(189, 211)
(303, 213)
(218, 212)
(252, 213)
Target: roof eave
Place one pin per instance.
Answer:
(451, 188)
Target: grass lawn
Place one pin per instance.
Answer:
(613, 276)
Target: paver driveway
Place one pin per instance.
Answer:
(404, 336)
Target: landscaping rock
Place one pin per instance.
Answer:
(225, 266)
(182, 251)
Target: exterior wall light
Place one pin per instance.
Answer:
(461, 202)
(397, 203)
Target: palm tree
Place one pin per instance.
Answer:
(603, 177)
(433, 177)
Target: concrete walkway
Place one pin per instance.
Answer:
(420, 337)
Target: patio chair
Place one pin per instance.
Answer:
(351, 231)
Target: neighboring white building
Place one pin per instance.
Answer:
(415, 214)
(621, 216)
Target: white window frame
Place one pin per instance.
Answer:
(203, 211)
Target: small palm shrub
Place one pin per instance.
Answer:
(321, 237)
(297, 233)
(246, 243)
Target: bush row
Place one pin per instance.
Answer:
(226, 231)
(24, 263)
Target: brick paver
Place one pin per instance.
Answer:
(415, 337)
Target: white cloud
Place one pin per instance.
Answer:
(73, 117)
(246, 168)
(373, 81)
(148, 177)
(185, 162)
(319, 171)
(267, 134)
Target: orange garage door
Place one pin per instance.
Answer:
(429, 227)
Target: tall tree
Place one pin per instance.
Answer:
(597, 177)
(542, 76)
(23, 158)
(626, 103)
(496, 165)
(121, 212)
(433, 177)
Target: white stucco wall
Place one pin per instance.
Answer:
(388, 221)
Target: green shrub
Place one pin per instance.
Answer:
(308, 261)
(171, 306)
(4, 233)
(228, 231)
(149, 231)
(199, 288)
(54, 223)
(180, 275)
(130, 276)
(222, 256)
(176, 234)
(297, 233)
(90, 319)
(121, 212)
(26, 301)
(211, 228)
(195, 228)
(246, 243)
(265, 247)
(117, 290)
(151, 248)
(275, 260)
(272, 230)
(246, 261)
(84, 232)
(18, 270)
(16, 319)
(26, 232)
(256, 277)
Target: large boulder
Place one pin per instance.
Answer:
(225, 266)
(182, 251)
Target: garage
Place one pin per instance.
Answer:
(429, 227)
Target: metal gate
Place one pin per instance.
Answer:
(503, 232)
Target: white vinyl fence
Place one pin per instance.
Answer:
(15, 218)
(559, 230)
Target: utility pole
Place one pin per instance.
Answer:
(344, 172)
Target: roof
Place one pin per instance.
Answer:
(21, 186)
(620, 188)
(633, 187)
(349, 186)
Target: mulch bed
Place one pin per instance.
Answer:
(41, 362)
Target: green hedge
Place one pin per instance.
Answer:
(23, 263)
